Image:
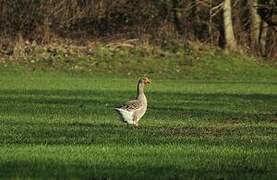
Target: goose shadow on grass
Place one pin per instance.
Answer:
(162, 105)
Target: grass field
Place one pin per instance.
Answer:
(57, 125)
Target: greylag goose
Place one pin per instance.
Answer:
(133, 110)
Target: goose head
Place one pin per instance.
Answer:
(144, 81)
(141, 83)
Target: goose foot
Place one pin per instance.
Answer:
(136, 125)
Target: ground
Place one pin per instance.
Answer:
(62, 125)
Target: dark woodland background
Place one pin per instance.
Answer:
(161, 22)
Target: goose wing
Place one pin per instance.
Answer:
(132, 105)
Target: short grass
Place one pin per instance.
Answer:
(58, 125)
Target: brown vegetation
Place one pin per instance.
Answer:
(162, 22)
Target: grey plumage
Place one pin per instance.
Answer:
(132, 111)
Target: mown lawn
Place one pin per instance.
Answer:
(57, 125)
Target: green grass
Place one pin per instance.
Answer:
(59, 125)
(194, 62)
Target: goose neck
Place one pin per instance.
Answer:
(140, 90)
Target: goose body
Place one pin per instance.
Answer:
(132, 111)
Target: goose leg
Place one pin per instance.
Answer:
(135, 121)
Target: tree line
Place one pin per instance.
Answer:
(230, 24)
